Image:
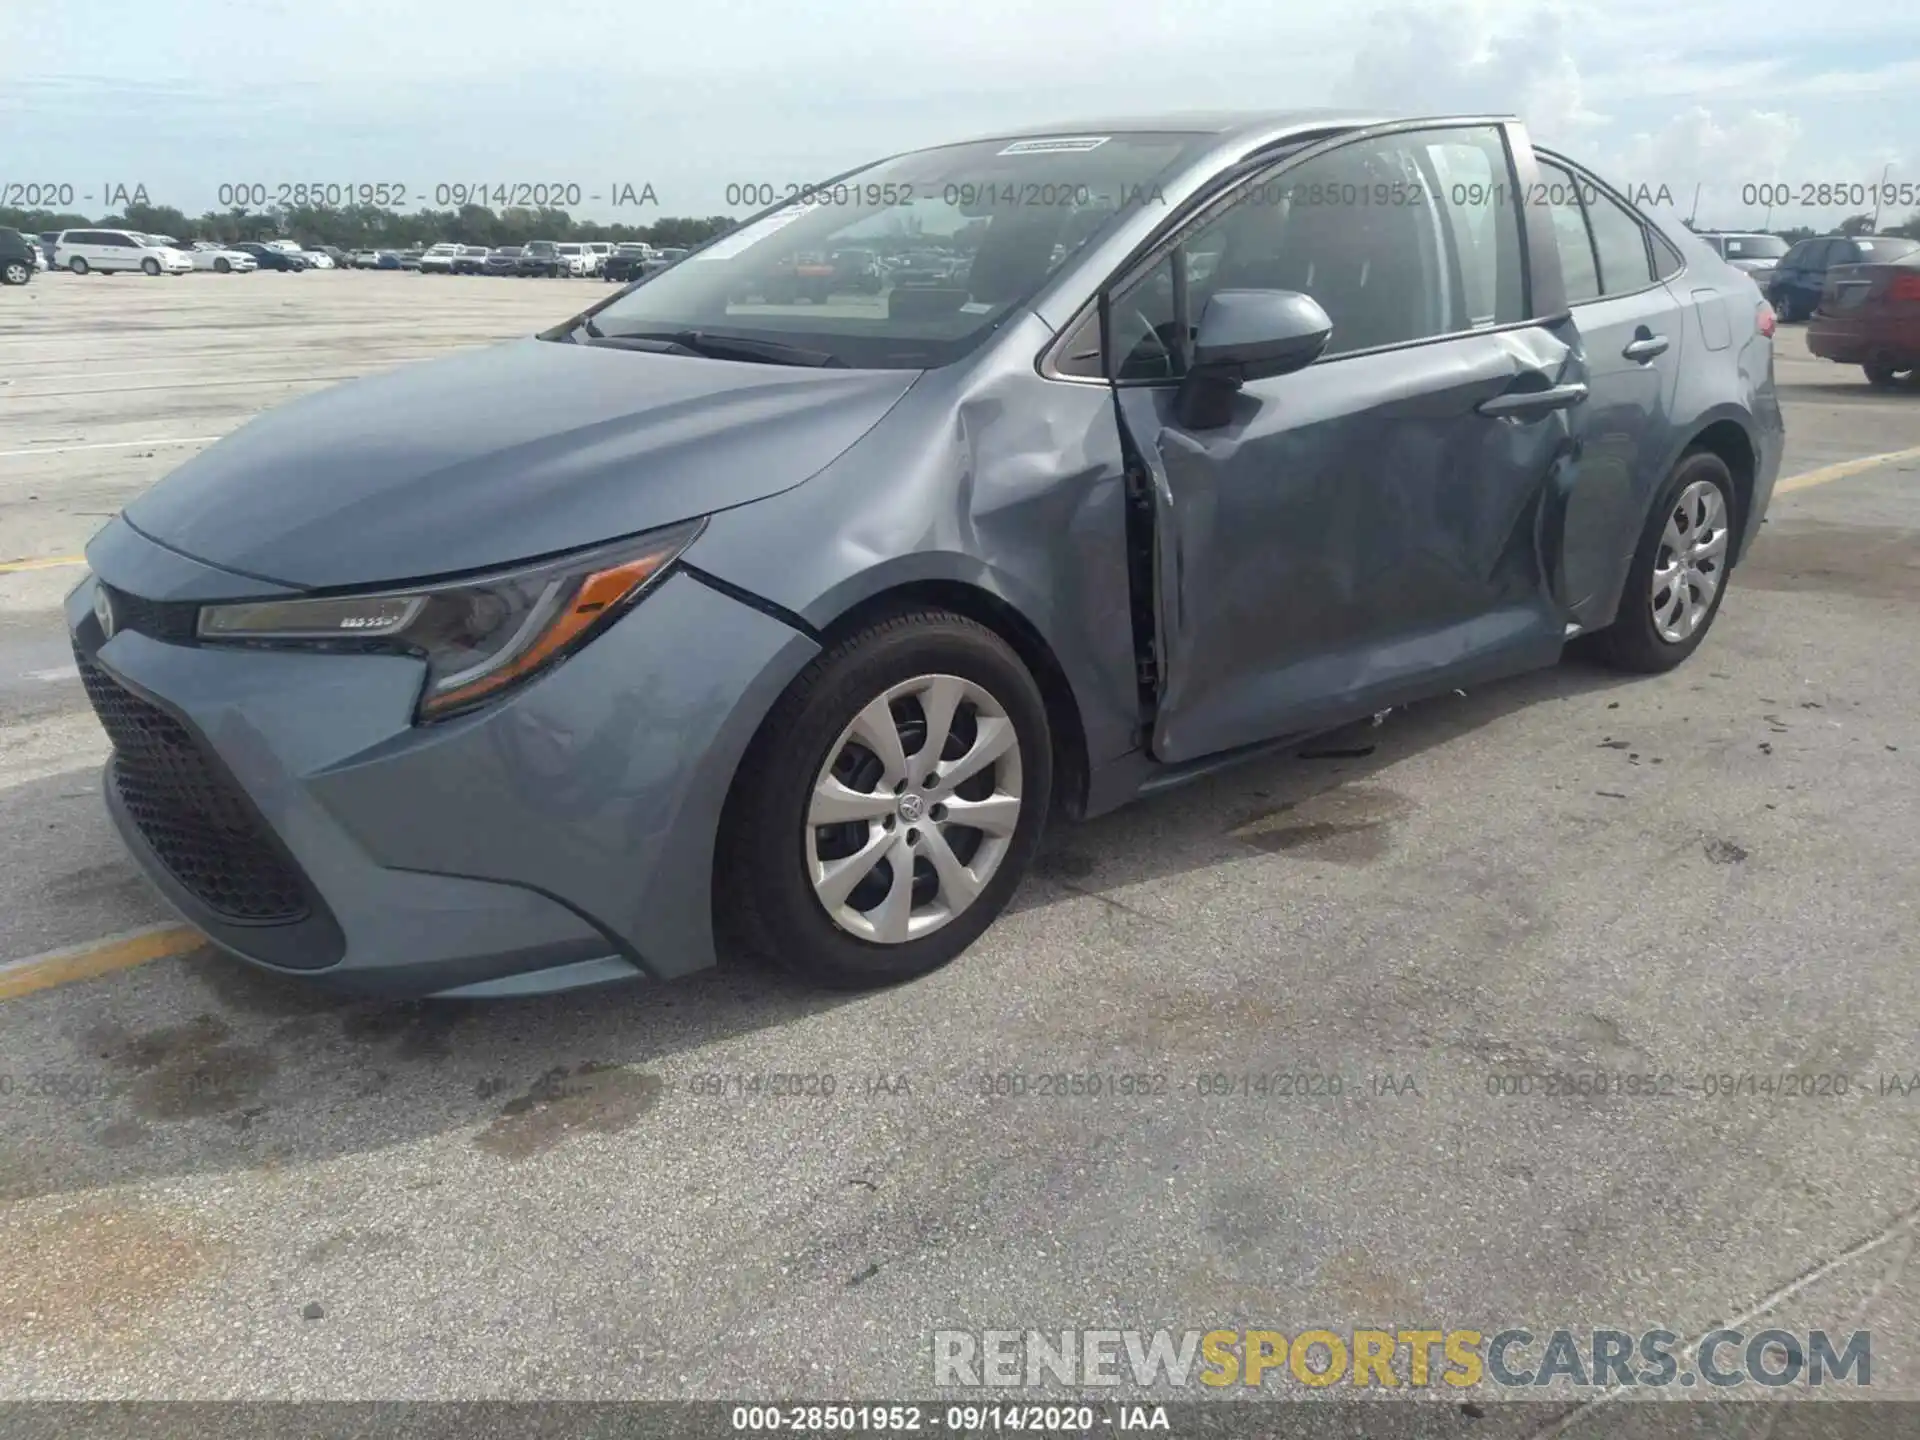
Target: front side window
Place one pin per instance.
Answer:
(958, 237)
(1400, 238)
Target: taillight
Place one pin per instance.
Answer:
(1763, 317)
(1905, 286)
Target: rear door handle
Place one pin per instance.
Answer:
(1646, 347)
(1533, 402)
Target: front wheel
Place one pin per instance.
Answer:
(888, 807)
(1679, 573)
(222, 266)
(150, 266)
(1885, 375)
(17, 272)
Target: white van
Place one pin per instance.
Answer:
(110, 250)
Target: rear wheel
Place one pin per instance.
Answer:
(1679, 572)
(1886, 375)
(77, 265)
(889, 806)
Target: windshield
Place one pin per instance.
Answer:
(985, 225)
(1753, 247)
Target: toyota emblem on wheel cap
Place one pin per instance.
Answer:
(103, 612)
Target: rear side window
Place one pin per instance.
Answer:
(1579, 269)
(1667, 261)
(1620, 244)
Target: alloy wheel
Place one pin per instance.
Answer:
(914, 809)
(1691, 561)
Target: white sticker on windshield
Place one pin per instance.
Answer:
(729, 246)
(1056, 145)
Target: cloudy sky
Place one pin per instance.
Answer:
(184, 96)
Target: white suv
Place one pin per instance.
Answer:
(577, 258)
(110, 250)
(438, 259)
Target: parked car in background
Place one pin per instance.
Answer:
(17, 257)
(438, 259)
(318, 259)
(212, 255)
(335, 254)
(390, 260)
(271, 257)
(737, 650)
(362, 259)
(410, 257)
(108, 251)
(471, 260)
(1757, 254)
(577, 259)
(1796, 283)
(1869, 315)
(599, 250)
(42, 247)
(626, 262)
(542, 257)
(503, 261)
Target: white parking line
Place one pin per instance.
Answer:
(113, 445)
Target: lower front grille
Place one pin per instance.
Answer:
(193, 815)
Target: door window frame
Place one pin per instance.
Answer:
(1221, 193)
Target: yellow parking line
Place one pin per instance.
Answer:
(51, 562)
(1807, 479)
(96, 957)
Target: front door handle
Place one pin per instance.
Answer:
(1531, 402)
(1646, 347)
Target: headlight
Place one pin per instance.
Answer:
(479, 636)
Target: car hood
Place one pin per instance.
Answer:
(501, 454)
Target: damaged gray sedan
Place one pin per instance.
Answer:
(775, 604)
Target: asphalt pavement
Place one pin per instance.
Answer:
(218, 1184)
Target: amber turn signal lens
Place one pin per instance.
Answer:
(592, 598)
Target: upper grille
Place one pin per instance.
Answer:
(199, 823)
(173, 621)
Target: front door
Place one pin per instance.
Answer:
(1363, 530)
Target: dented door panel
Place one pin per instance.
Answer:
(1358, 532)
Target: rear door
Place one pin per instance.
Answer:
(1632, 329)
(1363, 530)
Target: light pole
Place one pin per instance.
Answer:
(1876, 196)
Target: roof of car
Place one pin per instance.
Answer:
(1201, 122)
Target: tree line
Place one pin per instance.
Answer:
(371, 227)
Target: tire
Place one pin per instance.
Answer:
(222, 267)
(77, 265)
(16, 272)
(150, 266)
(1885, 375)
(765, 903)
(1634, 641)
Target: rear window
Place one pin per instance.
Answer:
(1753, 247)
(1886, 248)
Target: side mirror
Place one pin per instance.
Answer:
(1248, 335)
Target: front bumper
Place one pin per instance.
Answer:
(561, 837)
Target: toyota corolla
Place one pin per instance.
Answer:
(719, 618)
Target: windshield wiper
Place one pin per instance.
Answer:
(734, 347)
